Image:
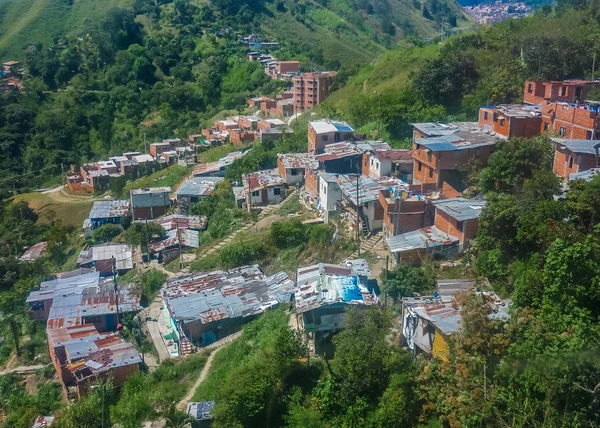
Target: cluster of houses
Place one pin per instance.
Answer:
(10, 77)
(240, 130)
(204, 307)
(152, 205)
(96, 176)
(282, 105)
(308, 89)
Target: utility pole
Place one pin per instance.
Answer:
(116, 287)
(358, 209)
(179, 244)
(62, 173)
(248, 194)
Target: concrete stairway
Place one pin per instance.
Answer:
(369, 244)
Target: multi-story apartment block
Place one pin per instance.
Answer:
(311, 89)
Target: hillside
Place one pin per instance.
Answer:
(39, 21)
(335, 32)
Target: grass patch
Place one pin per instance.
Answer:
(215, 153)
(290, 206)
(148, 396)
(48, 208)
(168, 177)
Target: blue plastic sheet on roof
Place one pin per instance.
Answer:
(348, 288)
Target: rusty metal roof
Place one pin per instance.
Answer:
(108, 209)
(298, 160)
(220, 294)
(34, 252)
(180, 221)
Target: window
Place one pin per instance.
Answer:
(324, 190)
(485, 115)
(495, 117)
(324, 138)
(377, 165)
(255, 193)
(563, 91)
(277, 191)
(563, 131)
(429, 155)
(420, 165)
(546, 126)
(371, 161)
(294, 172)
(530, 88)
(588, 135)
(501, 122)
(570, 161)
(430, 172)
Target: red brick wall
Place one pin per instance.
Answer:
(448, 225)
(312, 183)
(470, 229)
(282, 170)
(486, 121)
(524, 127)
(312, 140)
(423, 176)
(448, 191)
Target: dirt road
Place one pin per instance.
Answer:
(206, 369)
(23, 369)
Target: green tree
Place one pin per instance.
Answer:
(106, 233)
(405, 281)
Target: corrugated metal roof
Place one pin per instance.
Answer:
(219, 294)
(368, 188)
(426, 237)
(578, 146)
(199, 186)
(298, 160)
(180, 221)
(326, 284)
(109, 209)
(460, 209)
(263, 179)
(34, 252)
(122, 253)
(585, 175)
(188, 238)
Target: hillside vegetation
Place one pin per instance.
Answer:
(451, 81)
(340, 31)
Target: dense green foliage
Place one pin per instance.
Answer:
(404, 281)
(22, 408)
(490, 66)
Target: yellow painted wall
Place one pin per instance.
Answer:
(440, 347)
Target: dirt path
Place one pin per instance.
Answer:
(22, 369)
(182, 405)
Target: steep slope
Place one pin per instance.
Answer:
(39, 21)
(332, 32)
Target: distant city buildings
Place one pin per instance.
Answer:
(488, 13)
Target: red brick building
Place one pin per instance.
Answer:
(401, 215)
(511, 120)
(156, 149)
(572, 156)
(311, 89)
(324, 132)
(569, 91)
(441, 158)
(294, 166)
(459, 218)
(79, 309)
(575, 122)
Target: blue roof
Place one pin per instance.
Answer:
(344, 128)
